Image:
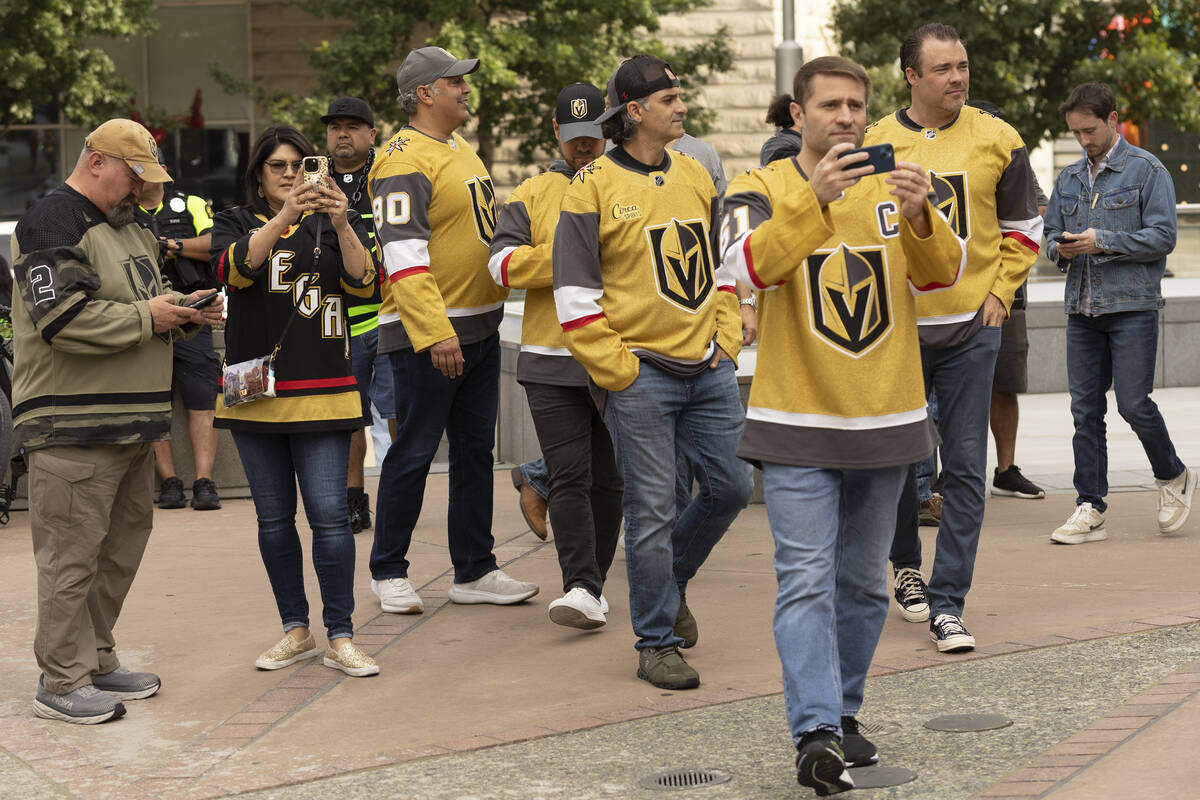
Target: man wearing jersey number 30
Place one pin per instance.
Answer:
(644, 311)
(837, 410)
(435, 212)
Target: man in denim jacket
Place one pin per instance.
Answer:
(1110, 225)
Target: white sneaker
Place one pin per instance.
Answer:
(397, 596)
(1085, 524)
(1175, 501)
(603, 604)
(494, 587)
(577, 609)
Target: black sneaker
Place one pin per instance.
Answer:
(204, 495)
(1011, 483)
(910, 594)
(359, 506)
(858, 751)
(665, 668)
(171, 494)
(950, 635)
(821, 764)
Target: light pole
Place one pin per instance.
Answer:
(789, 56)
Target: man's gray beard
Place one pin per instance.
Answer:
(120, 216)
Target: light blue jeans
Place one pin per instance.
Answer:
(702, 416)
(832, 532)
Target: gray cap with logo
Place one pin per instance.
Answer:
(425, 65)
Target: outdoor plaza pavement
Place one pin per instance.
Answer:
(1092, 651)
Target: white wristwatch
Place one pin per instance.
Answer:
(749, 301)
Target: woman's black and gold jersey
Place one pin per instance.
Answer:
(837, 381)
(313, 382)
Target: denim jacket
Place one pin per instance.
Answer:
(1131, 206)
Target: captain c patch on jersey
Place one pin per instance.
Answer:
(952, 200)
(682, 263)
(848, 297)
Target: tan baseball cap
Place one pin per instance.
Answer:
(133, 144)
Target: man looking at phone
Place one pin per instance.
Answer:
(837, 412)
(350, 138)
(183, 223)
(979, 169)
(92, 329)
(1110, 224)
(435, 212)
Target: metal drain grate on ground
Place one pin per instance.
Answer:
(878, 727)
(685, 779)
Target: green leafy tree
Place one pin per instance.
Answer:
(44, 60)
(1026, 57)
(529, 50)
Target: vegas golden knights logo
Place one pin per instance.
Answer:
(953, 201)
(682, 262)
(142, 274)
(579, 107)
(483, 205)
(849, 297)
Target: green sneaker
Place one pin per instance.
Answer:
(665, 668)
(685, 626)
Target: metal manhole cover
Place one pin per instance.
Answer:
(685, 779)
(881, 727)
(968, 723)
(877, 777)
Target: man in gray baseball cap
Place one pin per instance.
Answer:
(425, 65)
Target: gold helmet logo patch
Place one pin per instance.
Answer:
(483, 205)
(683, 267)
(952, 201)
(579, 107)
(849, 298)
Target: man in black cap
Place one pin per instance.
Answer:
(656, 325)
(350, 137)
(435, 212)
(585, 487)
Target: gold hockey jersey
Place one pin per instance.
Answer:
(435, 211)
(521, 259)
(979, 169)
(837, 382)
(634, 269)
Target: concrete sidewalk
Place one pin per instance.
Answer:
(1092, 651)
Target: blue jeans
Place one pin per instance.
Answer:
(831, 530)
(962, 378)
(274, 462)
(702, 416)
(465, 409)
(1117, 350)
(373, 372)
(537, 475)
(927, 470)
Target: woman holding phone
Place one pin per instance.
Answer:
(287, 257)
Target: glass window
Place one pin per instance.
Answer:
(29, 164)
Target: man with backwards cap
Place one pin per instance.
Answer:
(435, 213)
(350, 138)
(92, 325)
(585, 487)
(656, 325)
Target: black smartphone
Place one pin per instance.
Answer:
(203, 300)
(880, 156)
(1061, 237)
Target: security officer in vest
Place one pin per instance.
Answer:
(183, 223)
(350, 136)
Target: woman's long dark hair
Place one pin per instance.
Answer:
(270, 139)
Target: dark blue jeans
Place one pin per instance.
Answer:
(274, 462)
(962, 378)
(1117, 350)
(465, 409)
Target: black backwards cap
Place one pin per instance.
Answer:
(637, 77)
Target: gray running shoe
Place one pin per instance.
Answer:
(126, 684)
(86, 705)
